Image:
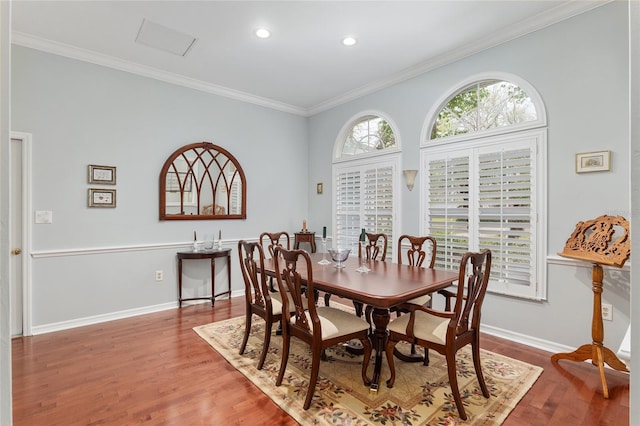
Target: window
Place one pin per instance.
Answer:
(369, 134)
(366, 181)
(485, 105)
(488, 190)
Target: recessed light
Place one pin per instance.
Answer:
(349, 41)
(263, 33)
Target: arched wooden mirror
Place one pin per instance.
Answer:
(202, 181)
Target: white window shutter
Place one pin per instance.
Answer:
(484, 195)
(365, 198)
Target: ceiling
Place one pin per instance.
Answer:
(302, 68)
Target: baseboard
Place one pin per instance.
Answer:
(524, 339)
(545, 345)
(96, 319)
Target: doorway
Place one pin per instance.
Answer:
(20, 233)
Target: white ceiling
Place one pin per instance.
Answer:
(302, 68)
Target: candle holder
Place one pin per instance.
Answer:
(363, 267)
(324, 260)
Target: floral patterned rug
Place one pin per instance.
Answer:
(420, 396)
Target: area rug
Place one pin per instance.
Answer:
(420, 396)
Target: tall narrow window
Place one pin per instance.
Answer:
(487, 190)
(366, 181)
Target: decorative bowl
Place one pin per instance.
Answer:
(339, 255)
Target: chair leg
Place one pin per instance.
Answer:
(327, 296)
(286, 341)
(315, 369)
(391, 345)
(425, 361)
(265, 344)
(453, 383)
(247, 329)
(475, 350)
(366, 344)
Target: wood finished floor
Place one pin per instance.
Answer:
(154, 369)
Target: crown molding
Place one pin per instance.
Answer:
(61, 49)
(542, 20)
(564, 11)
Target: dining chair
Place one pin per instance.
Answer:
(448, 331)
(258, 299)
(375, 249)
(415, 255)
(271, 240)
(318, 326)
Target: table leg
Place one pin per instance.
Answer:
(229, 274)
(180, 283)
(379, 339)
(213, 281)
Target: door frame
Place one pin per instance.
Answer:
(26, 231)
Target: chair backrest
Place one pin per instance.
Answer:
(275, 239)
(376, 245)
(251, 258)
(416, 254)
(473, 279)
(298, 283)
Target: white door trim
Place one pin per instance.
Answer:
(27, 221)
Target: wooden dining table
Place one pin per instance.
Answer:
(385, 285)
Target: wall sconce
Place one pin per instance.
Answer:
(410, 178)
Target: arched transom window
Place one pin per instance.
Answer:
(485, 105)
(369, 134)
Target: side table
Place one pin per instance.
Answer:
(305, 237)
(211, 255)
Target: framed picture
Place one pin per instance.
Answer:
(319, 188)
(105, 175)
(102, 197)
(596, 161)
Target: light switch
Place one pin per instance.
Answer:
(44, 216)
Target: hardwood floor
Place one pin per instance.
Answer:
(154, 369)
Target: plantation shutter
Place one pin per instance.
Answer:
(364, 199)
(448, 208)
(484, 196)
(506, 215)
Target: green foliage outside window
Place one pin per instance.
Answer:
(485, 105)
(369, 134)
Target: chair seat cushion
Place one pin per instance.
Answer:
(335, 322)
(421, 300)
(427, 327)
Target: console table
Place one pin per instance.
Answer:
(305, 237)
(210, 254)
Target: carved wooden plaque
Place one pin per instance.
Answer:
(593, 241)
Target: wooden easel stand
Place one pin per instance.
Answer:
(596, 351)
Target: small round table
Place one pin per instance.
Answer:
(210, 254)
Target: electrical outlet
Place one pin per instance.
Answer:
(607, 312)
(159, 275)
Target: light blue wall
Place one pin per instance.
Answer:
(580, 69)
(81, 114)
